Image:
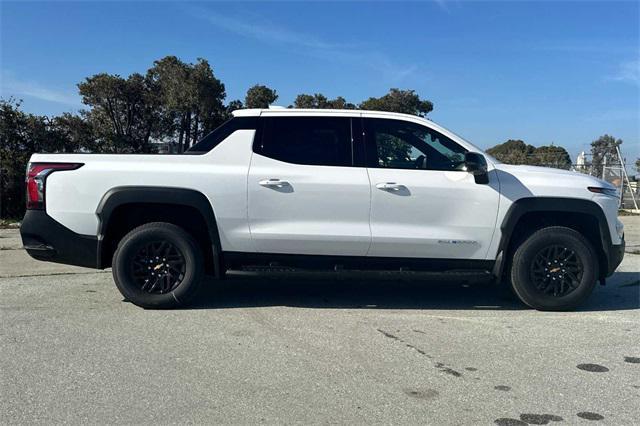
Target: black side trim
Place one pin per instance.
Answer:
(553, 204)
(121, 195)
(46, 239)
(238, 260)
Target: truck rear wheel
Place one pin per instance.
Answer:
(158, 265)
(555, 269)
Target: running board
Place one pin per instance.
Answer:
(282, 271)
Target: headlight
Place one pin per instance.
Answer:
(612, 192)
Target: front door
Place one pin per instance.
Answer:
(423, 204)
(305, 196)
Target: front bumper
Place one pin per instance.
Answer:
(615, 256)
(46, 239)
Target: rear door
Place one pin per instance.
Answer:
(305, 195)
(423, 203)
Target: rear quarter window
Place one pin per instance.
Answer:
(222, 132)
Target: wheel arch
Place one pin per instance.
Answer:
(527, 215)
(176, 203)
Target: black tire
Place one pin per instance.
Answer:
(538, 274)
(167, 282)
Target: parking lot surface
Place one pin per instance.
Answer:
(315, 351)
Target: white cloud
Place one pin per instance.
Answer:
(307, 44)
(628, 72)
(11, 86)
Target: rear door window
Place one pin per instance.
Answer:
(315, 141)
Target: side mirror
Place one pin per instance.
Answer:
(476, 164)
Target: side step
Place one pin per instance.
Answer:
(338, 272)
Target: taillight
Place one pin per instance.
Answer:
(36, 178)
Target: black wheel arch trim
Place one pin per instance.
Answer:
(553, 205)
(122, 195)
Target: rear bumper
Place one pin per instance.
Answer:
(45, 239)
(615, 256)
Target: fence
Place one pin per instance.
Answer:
(613, 170)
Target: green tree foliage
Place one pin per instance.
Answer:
(513, 151)
(518, 152)
(232, 106)
(638, 165)
(603, 149)
(552, 156)
(260, 96)
(191, 99)
(403, 101)
(123, 111)
(320, 101)
(22, 134)
(72, 133)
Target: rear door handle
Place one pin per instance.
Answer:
(390, 186)
(273, 183)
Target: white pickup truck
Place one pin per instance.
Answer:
(340, 191)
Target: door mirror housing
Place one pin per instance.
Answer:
(476, 164)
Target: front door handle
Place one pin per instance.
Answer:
(390, 186)
(274, 183)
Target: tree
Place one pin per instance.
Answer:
(404, 101)
(320, 101)
(552, 156)
(513, 151)
(21, 135)
(122, 111)
(190, 96)
(260, 96)
(638, 165)
(603, 150)
(72, 133)
(234, 105)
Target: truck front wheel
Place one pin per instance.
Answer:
(555, 269)
(158, 265)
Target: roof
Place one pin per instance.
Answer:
(272, 111)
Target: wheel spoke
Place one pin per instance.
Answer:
(556, 270)
(158, 267)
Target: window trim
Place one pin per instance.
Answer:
(371, 149)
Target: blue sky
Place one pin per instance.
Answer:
(546, 71)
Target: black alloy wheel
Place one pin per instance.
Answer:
(556, 270)
(158, 267)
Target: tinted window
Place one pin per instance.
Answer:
(318, 141)
(399, 144)
(222, 132)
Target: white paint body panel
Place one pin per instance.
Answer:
(323, 210)
(436, 214)
(330, 210)
(72, 197)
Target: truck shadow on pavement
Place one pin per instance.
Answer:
(621, 293)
